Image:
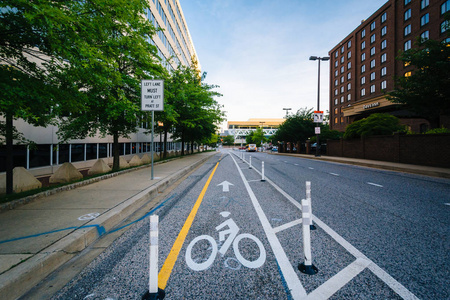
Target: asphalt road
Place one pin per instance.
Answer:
(380, 235)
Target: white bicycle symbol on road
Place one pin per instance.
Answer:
(234, 238)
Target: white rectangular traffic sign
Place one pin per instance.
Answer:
(317, 130)
(152, 95)
(318, 116)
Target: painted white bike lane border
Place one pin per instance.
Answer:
(339, 280)
(290, 276)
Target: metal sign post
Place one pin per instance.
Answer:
(152, 99)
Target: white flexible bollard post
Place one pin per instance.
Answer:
(262, 172)
(153, 292)
(250, 163)
(307, 266)
(308, 197)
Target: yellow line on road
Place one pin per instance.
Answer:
(166, 269)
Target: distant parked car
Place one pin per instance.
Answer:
(274, 149)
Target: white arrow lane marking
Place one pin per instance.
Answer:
(225, 186)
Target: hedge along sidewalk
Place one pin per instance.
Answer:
(39, 237)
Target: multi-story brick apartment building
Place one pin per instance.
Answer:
(363, 64)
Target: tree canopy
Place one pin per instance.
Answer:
(427, 90)
(297, 127)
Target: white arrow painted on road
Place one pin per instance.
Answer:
(225, 185)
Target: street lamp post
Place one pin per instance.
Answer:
(287, 111)
(318, 96)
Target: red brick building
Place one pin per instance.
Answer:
(363, 65)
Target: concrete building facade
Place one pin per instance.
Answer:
(174, 46)
(363, 64)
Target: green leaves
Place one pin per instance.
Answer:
(375, 124)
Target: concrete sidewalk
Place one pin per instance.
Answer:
(38, 237)
(406, 168)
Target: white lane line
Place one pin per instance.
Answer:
(374, 184)
(296, 164)
(336, 282)
(334, 174)
(396, 286)
(289, 274)
(446, 203)
(287, 225)
(310, 168)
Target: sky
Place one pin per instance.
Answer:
(258, 51)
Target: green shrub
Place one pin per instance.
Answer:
(375, 124)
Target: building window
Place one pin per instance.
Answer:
(383, 85)
(445, 7)
(336, 63)
(336, 54)
(349, 87)
(383, 44)
(363, 92)
(372, 76)
(383, 17)
(349, 44)
(407, 30)
(363, 32)
(342, 89)
(372, 51)
(372, 38)
(363, 68)
(336, 73)
(342, 49)
(408, 14)
(372, 26)
(424, 3)
(349, 65)
(349, 97)
(383, 31)
(336, 110)
(363, 57)
(342, 79)
(407, 45)
(342, 59)
(363, 80)
(408, 74)
(342, 69)
(444, 26)
(349, 54)
(363, 45)
(407, 2)
(349, 76)
(336, 120)
(372, 88)
(372, 63)
(425, 35)
(342, 99)
(336, 92)
(383, 58)
(424, 19)
(383, 71)
(336, 82)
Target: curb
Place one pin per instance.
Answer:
(18, 280)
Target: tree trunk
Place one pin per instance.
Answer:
(9, 153)
(116, 152)
(165, 143)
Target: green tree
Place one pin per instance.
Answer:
(258, 137)
(297, 127)
(228, 140)
(375, 124)
(427, 91)
(30, 87)
(109, 55)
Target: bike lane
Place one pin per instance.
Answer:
(225, 253)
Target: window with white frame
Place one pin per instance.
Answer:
(336, 82)
(335, 101)
(383, 85)
(424, 3)
(383, 58)
(372, 63)
(383, 31)
(349, 54)
(342, 99)
(383, 17)
(383, 71)
(363, 68)
(342, 69)
(342, 79)
(349, 65)
(407, 30)
(408, 14)
(349, 44)
(363, 45)
(372, 51)
(407, 45)
(336, 63)
(363, 57)
(363, 33)
(372, 38)
(363, 92)
(342, 89)
(349, 76)
(363, 80)
(372, 26)
(445, 7)
(425, 19)
(342, 59)
(372, 76)
(349, 86)
(372, 88)
(383, 44)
